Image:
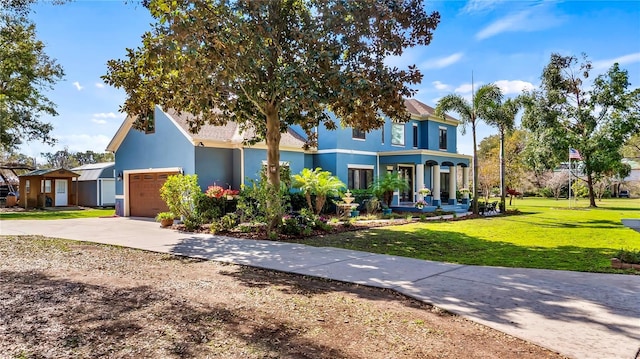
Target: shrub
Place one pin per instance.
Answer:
(228, 221)
(628, 256)
(253, 202)
(210, 208)
(181, 193)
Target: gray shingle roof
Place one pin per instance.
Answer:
(418, 108)
(230, 132)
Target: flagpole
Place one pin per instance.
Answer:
(569, 177)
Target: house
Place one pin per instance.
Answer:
(96, 184)
(47, 188)
(422, 150)
(632, 181)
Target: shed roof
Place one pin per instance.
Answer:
(93, 171)
(51, 172)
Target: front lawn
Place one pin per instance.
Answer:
(58, 214)
(546, 235)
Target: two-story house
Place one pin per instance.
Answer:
(422, 150)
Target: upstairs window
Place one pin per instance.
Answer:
(415, 136)
(443, 138)
(382, 134)
(357, 133)
(397, 134)
(148, 123)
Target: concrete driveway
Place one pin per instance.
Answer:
(581, 315)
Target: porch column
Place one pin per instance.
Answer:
(436, 186)
(419, 180)
(453, 178)
(465, 184)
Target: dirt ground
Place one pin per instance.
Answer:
(62, 299)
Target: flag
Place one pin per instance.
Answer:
(574, 154)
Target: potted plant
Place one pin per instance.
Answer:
(354, 210)
(420, 204)
(424, 191)
(384, 186)
(165, 219)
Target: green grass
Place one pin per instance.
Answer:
(58, 214)
(546, 235)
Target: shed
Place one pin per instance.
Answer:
(47, 188)
(96, 184)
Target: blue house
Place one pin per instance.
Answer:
(422, 150)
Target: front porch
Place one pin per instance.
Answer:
(409, 207)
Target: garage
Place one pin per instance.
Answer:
(144, 193)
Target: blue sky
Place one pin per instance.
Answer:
(507, 42)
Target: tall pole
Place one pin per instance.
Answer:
(569, 190)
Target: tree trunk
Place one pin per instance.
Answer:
(475, 168)
(502, 167)
(592, 198)
(273, 165)
(320, 199)
(307, 195)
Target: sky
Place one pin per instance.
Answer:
(506, 42)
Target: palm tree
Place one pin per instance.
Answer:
(503, 116)
(470, 112)
(319, 183)
(384, 186)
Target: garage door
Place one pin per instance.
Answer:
(144, 194)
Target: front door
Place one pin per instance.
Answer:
(406, 173)
(62, 193)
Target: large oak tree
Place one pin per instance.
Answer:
(26, 72)
(272, 64)
(596, 118)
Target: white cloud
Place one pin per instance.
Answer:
(464, 88)
(475, 6)
(107, 115)
(514, 86)
(441, 62)
(99, 122)
(84, 142)
(441, 86)
(621, 60)
(77, 85)
(99, 85)
(523, 21)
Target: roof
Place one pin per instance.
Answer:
(230, 132)
(93, 171)
(51, 172)
(418, 108)
(635, 164)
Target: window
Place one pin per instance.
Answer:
(360, 178)
(148, 123)
(415, 135)
(382, 128)
(358, 133)
(27, 186)
(397, 134)
(46, 186)
(443, 138)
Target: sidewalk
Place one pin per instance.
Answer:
(581, 315)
